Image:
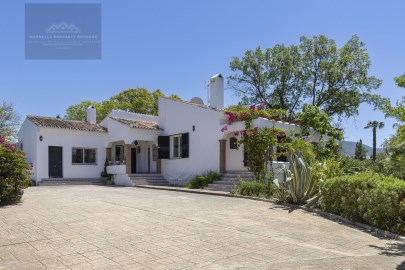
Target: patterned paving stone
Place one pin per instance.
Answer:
(96, 227)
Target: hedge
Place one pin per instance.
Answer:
(254, 189)
(368, 198)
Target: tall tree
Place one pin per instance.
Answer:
(374, 125)
(9, 120)
(360, 151)
(315, 72)
(78, 111)
(138, 100)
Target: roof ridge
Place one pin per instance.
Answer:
(118, 110)
(53, 122)
(129, 119)
(61, 119)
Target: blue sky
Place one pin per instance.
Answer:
(177, 45)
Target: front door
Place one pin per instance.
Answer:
(133, 160)
(55, 162)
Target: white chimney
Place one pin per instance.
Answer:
(216, 99)
(91, 115)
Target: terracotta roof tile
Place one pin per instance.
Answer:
(51, 122)
(137, 124)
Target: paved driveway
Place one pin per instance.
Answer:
(96, 227)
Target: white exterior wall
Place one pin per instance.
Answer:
(177, 117)
(234, 157)
(28, 136)
(68, 139)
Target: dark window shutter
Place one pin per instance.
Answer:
(184, 145)
(164, 147)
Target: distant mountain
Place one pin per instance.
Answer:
(349, 148)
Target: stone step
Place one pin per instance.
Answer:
(151, 184)
(235, 178)
(230, 179)
(144, 175)
(238, 172)
(148, 179)
(69, 181)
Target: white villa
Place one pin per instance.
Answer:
(183, 140)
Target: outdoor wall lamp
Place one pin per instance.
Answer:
(193, 128)
(41, 138)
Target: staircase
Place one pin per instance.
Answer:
(151, 179)
(229, 180)
(70, 181)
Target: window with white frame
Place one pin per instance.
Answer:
(175, 151)
(86, 156)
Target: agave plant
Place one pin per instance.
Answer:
(297, 185)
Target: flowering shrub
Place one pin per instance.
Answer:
(13, 173)
(258, 142)
(248, 114)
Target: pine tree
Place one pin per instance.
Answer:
(360, 151)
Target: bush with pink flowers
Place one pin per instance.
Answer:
(258, 142)
(13, 173)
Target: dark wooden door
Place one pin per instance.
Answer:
(133, 160)
(55, 162)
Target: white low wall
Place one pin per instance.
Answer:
(116, 169)
(121, 177)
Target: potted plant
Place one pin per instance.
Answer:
(104, 174)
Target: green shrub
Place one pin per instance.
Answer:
(202, 181)
(368, 198)
(13, 173)
(254, 189)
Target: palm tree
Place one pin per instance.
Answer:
(374, 125)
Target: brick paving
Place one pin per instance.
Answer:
(97, 227)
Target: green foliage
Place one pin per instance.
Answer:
(400, 81)
(298, 185)
(394, 161)
(326, 169)
(312, 118)
(78, 111)
(360, 151)
(138, 100)
(315, 72)
(368, 198)
(202, 181)
(9, 120)
(13, 173)
(257, 142)
(254, 189)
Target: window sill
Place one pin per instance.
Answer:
(93, 164)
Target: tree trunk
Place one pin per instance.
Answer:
(374, 142)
